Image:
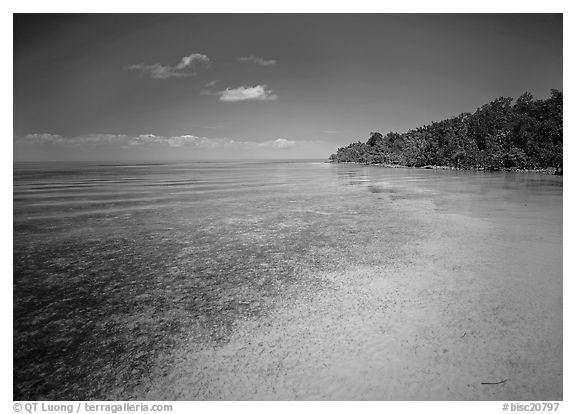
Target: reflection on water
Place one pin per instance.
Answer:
(497, 195)
(114, 265)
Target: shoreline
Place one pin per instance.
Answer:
(547, 171)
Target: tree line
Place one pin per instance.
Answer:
(525, 134)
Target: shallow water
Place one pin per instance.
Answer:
(148, 281)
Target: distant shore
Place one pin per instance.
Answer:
(548, 170)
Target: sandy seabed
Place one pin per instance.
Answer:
(286, 281)
(469, 309)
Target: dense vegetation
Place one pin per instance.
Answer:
(526, 134)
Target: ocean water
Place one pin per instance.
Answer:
(117, 268)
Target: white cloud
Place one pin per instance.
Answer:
(44, 139)
(188, 61)
(99, 139)
(127, 141)
(90, 139)
(185, 67)
(123, 147)
(278, 143)
(258, 60)
(244, 93)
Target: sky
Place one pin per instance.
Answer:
(228, 86)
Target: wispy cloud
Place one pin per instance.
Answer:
(90, 139)
(246, 93)
(43, 139)
(127, 141)
(186, 67)
(257, 60)
(278, 143)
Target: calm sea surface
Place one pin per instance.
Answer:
(115, 265)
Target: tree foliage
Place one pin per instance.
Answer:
(525, 134)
